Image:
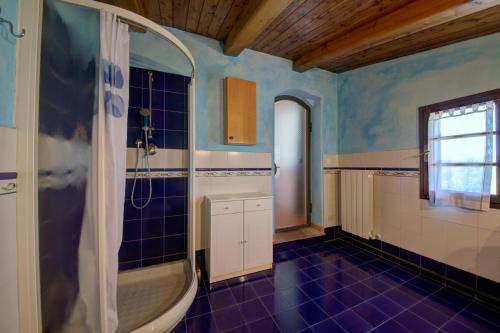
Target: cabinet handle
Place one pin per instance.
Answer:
(243, 242)
(231, 137)
(226, 207)
(258, 205)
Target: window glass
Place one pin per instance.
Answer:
(463, 150)
(466, 124)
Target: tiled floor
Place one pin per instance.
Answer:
(335, 287)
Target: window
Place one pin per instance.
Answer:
(460, 151)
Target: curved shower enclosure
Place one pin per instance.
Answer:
(115, 171)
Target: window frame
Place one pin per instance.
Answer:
(423, 129)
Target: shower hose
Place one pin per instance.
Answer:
(137, 171)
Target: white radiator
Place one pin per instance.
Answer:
(356, 202)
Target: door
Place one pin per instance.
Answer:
(226, 245)
(291, 152)
(258, 238)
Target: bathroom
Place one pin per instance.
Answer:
(249, 166)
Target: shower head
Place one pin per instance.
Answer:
(145, 112)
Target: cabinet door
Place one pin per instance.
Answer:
(239, 111)
(226, 247)
(258, 238)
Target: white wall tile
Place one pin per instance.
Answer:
(411, 240)
(218, 159)
(390, 185)
(258, 160)
(405, 158)
(8, 155)
(237, 159)
(330, 160)
(164, 158)
(488, 257)
(330, 200)
(427, 210)
(202, 159)
(489, 220)
(434, 239)
(8, 262)
(410, 187)
(461, 246)
(461, 216)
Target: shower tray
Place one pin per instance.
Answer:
(145, 294)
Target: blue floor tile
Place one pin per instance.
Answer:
(200, 306)
(385, 305)
(290, 321)
(221, 299)
(228, 318)
(312, 289)
(351, 322)
(456, 327)
(327, 326)
(253, 310)
(334, 287)
(432, 315)
(370, 313)
(262, 287)
(243, 292)
(414, 323)
(330, 305)
(391, 326)
(264, 325)
(311, 313)
(204, 323)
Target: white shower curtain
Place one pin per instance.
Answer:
(115, 81)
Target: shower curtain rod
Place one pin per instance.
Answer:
(145, 29)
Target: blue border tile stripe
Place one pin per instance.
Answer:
(8, 175)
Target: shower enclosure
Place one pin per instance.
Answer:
(86, 284)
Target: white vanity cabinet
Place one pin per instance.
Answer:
(239, 234)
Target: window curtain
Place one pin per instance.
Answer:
(115, 80)
(461, 156)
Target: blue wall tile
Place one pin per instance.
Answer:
(175, 244)
(169, 94)
(152, 247)
(175, 225)
(145, 232)
(135, 78)
(132, 230)
(130, 251)
(152, 228)
(156, 233)
(175, 83)
(175, 102)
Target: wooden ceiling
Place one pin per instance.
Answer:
(336, 35)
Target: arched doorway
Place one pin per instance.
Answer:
(292, 128)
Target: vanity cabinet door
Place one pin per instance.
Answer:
(258, 238)
(226, 248)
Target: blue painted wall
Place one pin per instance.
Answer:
(7, 64)
(378, 104)
(274, 76)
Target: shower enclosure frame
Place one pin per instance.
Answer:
(27, 98)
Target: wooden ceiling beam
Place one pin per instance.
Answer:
(410, 19)
(244, 34)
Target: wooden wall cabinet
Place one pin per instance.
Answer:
(240, 119)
